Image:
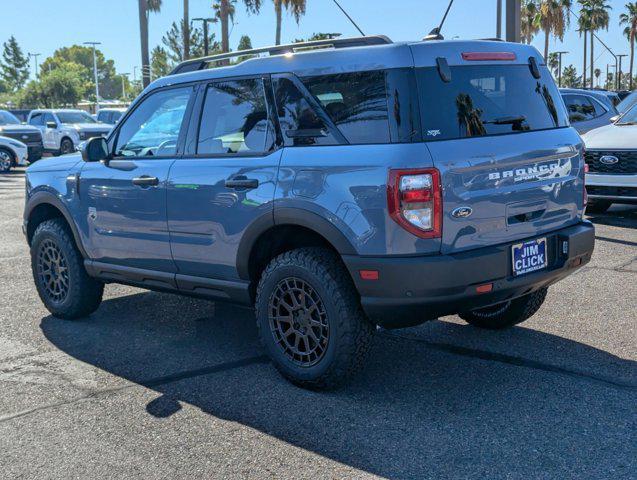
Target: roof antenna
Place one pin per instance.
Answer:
(435, 33)
(350, 18)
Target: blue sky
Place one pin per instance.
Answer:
(42, 26)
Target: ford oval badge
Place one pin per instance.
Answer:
(609, 160)
(462, 212)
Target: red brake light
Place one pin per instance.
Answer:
(414, 200)
(485, 56)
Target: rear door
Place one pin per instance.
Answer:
(227, 178)
(124, 200)
(510, 166)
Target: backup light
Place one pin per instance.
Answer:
(415, 201)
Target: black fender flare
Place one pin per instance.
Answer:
(289, 216)
(49, 198)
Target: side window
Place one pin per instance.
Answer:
(235, 119)
(356, 103)
(153, 128)
(36, 119)
(299, 122)
(580, 108)
(49, 118)
(103, 116)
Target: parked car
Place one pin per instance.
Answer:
(64, 129)
(109, 115)
(21, 114)
(588, 109)
(439, 178)
(623, 94)
(12, 153)
(11, 127)
(612, 96)
(611, 156)
(627, 102)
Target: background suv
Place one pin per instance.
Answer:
(335, 190)
(64, 129)
(11, 127)
(588, 109)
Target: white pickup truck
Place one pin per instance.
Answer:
(64, 129)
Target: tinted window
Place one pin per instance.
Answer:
(355, 102)
(153, 128)
(487, 100)
(75, 117)
(37, 119)
(115, 116)
(235, 119)
(104, 117)
(299, 122)
(48, 117)
(580, 108)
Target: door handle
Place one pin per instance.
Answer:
(146, 181)
(242, 182)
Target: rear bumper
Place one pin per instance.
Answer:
(410, 290)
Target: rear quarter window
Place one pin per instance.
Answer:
(487, 100)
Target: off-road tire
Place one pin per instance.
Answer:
(350, 332)
(83, 294)
(507, 314)
(598, 206)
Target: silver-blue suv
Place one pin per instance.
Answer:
(337, 186)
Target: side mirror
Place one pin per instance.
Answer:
(52, 125)
(95, 149)
(615, 118)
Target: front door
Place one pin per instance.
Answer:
(227, 179)
(123, 200)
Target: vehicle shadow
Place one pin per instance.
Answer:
(427, 405)
(618, 216)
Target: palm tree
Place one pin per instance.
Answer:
(553, 63)
(584, 25)
(145, 7)
(597, 11)
(553, 19)
(297, 7)
(630, 20)
(224, 11)
(598, 72)
(528, 26)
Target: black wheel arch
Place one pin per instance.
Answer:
(43, 206)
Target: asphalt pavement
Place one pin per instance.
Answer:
(158, 386)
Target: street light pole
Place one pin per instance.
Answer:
(559, 74)
(97, 85)
(205, 22)
(498, 25)
(619, 72)
(35, 56)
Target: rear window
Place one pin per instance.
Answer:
(487, 100)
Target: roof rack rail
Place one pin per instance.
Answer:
(202, 63)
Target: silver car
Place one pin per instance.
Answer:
(588, 109)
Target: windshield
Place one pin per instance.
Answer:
(628, 118)
(488, 100)
(627, 102)
(75, 117)
(7, 118)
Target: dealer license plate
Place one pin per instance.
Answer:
(529, 256)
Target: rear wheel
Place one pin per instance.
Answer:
(506, 314)
(597, 206)
(6, 160)
(310, 320)
(66, 146)
(58, 271)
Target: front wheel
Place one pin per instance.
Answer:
(58, 271)
(66, 146)
(310, 320)
(6, 160)
(506, 314)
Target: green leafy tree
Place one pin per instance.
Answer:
(160, 66)
(173, 40)
(317, 36)
(244, 44)
(528, 25)
(30, 96)
(14, 67)
(629, 18)
(62, 87)
(570, 78)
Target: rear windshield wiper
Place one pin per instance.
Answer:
(508, 120)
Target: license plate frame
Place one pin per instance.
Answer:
(529, 256)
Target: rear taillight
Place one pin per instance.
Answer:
(414, 199)
(487, 56)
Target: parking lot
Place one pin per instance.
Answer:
(158, 386)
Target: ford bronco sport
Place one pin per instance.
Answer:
(335, 185)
